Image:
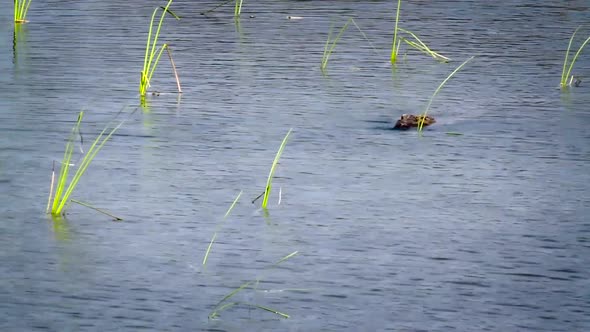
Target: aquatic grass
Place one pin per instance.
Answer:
(331, 44)
(223, 304)
(566, 75)
(396, 43)
(273, 168)
(63, 190)
(238, 8)
(218, 226)
(423, 116)
(21, 7)
(151, 60)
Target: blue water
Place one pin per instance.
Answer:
(486, 231)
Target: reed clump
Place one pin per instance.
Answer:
(153, 52)
(59, 199)
(273, 168)
(567, 79)
(21, 7)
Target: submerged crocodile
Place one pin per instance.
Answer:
(407, 121)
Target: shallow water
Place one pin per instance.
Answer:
(487, 231)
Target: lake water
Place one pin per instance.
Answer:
(486, 231)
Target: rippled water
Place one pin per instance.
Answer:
(487, 231)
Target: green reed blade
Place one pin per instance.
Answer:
(285, 258)
(273, 169)
(219, 226)
(395, 43)
(65, 164)
(421, 124)
(567, 53)
(327, 45)
(238, 8)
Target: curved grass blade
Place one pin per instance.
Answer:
(421, 46)
(421, 124)
(567, 54)
(215, 234)
(565, 75)
(273, 169)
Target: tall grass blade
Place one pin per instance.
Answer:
(238, 8)
(273, 169)
(421, 124)
(395, 44)
(215, 234)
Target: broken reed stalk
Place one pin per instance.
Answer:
(150, 61)
(219, 226)
(174, 68)
(423, 117)
(223, 304)
(51, 187)
(21, 7)
(273, 168)
(566, 75)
